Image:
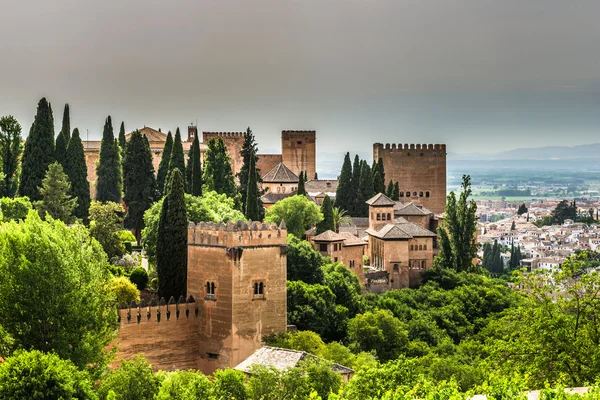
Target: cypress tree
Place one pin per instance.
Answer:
(66, 124)
(138, 181)
(217, 174)
(343, 194)
(248, 153)
(38, 153)
(355, 182)
(301, 190)
(10, 154)
(396, 193)
(379, 180)
(171, 246)
(327, 223)
(365, 191)
(389, 192)
(252, 211)
(195, 182)
(122, 140)
(163, 167)
(60, 149)
(108, 171)
(177, 159)
(76, 170)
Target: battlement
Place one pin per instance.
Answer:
(239, 234)
(431, 148)
(299, 132)
(222, 134)
(158, 311)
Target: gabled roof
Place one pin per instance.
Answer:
(401, 230)
(280, 173)
(351, 240)
(321, 185)
(411, 209)
(272, 198)
(282, 359)
(381, 200)
(328, 236)
(152, 134)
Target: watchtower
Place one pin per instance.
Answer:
(298, 150)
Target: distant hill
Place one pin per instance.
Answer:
(589, 151)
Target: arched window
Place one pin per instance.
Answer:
(412, 247)
(407, 194)
(378, 217)
(420, 194)
(426, 194)
(423, 264)
(278, 189)
(210, 290)
(396, 269)
(401, 194)
(424, 247)
(420, 247)
(255, 288)
(261, 287)
(414, 194)
(283, 189)
(389, 217)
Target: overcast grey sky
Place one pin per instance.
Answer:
(480, 75)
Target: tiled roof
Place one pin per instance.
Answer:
(401, 230)
(282, 359)
(351, 240)
(152, 134)
(321, 185)
(328, 236)
(272, 198)
(280, 173)
(381, 199)
(411, 209)
(360, 221)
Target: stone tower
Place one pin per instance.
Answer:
(419, 169)
(237, 274)
(298, 150)
(234, 141)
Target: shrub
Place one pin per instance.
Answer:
(133, 380)
(184, 385)
(139, 277)
(14, 209)
(124, 290)
(33, 374)
(128, 262)
(154, 283)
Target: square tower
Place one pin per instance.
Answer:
(237, 274)
(299, 152)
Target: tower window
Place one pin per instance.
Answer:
(210, 291)
(322, 247)
(389, 217)
(414, 194)
(426, 194)
(420, 194)
(407, 194)
(351, 263)
(259, 290)
(378, 217)
(299, 142)
(401, 194)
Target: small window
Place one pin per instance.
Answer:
(424, 247)
(335, 259)
(389, 217)
(210, 290)
(414, 194)
(351, 263)
(423, 264)
(420, 194)
(283, 189)
(412, 247)
(420, 247)
(259, 289)
(407, 194)
(278, 189)
(322, 247)
(401, 194)
(396, 269)
(378, 217)
(213, 356)
(426, 194)
(299, 142)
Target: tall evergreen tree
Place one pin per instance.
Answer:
(10, 152)
(343, 194)
(327, 223)
(139, 183)
(66, 124)
(365, 191)
(195, 169)
(163, 167)
(171, 247)
(396, 193)
(38, 153)
(456, 233)
(301, 191)
(251, 209)
(76, 170)
(60, 149)
(177, 159)
(378, 177)
(56, 197)
(390, 189)
(108, 170)
(355, 183)
(249, 154)
(122, 139)
(217, 171)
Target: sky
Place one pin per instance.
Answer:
(479, 75)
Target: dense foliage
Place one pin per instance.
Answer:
(297, 211)
(163, 167)
(106, 221)
(10, 153)
(218, 175)
(56, 201)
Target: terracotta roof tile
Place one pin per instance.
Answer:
(380, 199)
(280, 173)
(328, 236)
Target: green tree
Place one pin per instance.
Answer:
(76, 170)
(171, 248)
(396, 193)
(138, 181)
(38, 153)
(163, 167)
(56, 276)
(252, 206)
(14, 209)
(66, 124)
(303, 262)
(313, 308)
(194, 169)
(301, 191)
(10, 152)
(122, 139)
(217, 171)
(108, 170)
(513, 226)
(390, 189)
(345, 286)
(60, 149)
(365, 191)
(327, 223)
(522, 209)
(563, 211)
(378, 331)
(249, 155)
(124, 290)
(379, 177)
(339, 217)
(229, 385)
(106, 221)
(132, 380)
(56, 198)
(343, 194)
(177, 159)
(298, 212)
(211, 207)
(184, 385)
(356, 167)
(35, 375)
(456, 233)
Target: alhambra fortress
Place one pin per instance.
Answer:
(236, 277)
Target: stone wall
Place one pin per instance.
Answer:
(298, 150)
(267, 162)
(419, 169)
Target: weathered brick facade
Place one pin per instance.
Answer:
(299, 151)
(419, 169)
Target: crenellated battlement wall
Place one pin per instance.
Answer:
(239, 234)
(432, 149)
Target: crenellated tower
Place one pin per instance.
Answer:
(420, 170)
(298, 150)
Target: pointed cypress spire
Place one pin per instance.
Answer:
(177, 159)
(66, 125)
(76, 170)
(301, 189)
(110, 181)
(122, 140)
(163, 167)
